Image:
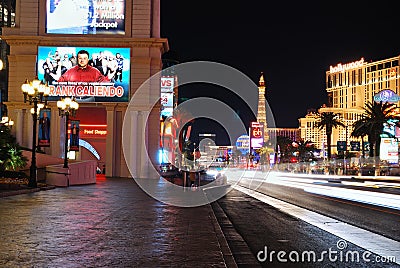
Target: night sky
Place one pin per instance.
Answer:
(292, 42)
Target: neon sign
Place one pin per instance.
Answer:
(344, 67)
(387, 95)
(88, 130)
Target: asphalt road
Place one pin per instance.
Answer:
(266, 230)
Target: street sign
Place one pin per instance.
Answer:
(341, 146)
(366, 146)
(355, 146)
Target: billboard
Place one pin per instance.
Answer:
(167, 103)
(243, 143)
(256, 135)
(167, 84)
(389, 150)
(105, 78)
(85, 17)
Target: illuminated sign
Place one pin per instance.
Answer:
(167, 84)
(93, 131)
(392, 72)
(106, 79)
(85, 17)
(243, 143)
(344, 67)
(387, 95)
(389, 150)
(256, 135)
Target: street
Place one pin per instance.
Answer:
(317, 223)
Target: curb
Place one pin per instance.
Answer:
(25, 191)
(223, 243)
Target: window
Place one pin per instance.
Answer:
(360, 76)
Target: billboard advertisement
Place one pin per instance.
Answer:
(85, 17)
(256, 135)
(167, 103)
(243, 143)
(167, 84)
(389, 150)
(91, 74)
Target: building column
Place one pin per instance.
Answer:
(133, 138)
(19, 125)
(110, 152)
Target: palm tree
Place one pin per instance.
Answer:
(360, 131)
(329, 120)
(371, 123)
(284, 146)
(11, 156)
(305, 150)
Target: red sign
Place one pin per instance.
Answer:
(92, 131)
(257, 132)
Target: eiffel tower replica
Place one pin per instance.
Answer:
(261, 112)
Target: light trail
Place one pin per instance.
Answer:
(310, 185)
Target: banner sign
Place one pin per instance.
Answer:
(103, 77)
(354, 146)
(74, 136)
(44, 127)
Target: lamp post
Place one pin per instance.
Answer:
(36, 92)
(67, 107)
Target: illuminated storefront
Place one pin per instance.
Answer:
(122, 40)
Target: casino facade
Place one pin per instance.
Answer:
(46, 32)
(350, 86)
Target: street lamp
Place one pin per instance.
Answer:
(67, 107)
(35, 92)
(6, 121)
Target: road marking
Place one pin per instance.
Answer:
(370, 241)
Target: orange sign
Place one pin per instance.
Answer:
(93, 131)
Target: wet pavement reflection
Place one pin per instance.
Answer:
(112, 223)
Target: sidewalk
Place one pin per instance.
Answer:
(112, 223)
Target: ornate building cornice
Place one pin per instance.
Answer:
(18, 40)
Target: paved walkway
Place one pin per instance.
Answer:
(112, 223)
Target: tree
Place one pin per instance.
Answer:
(285, 148)
(329, 120)
(11, 156)
(360, 131)
(305, 150)
(371, 123)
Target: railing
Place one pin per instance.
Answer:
(352, 166)
(77, 173)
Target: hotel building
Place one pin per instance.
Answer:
(350, 86)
